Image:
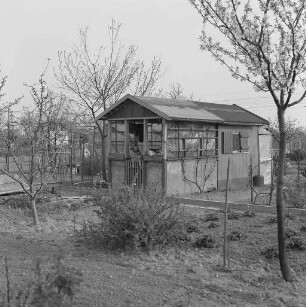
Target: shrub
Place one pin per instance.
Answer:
(270, 252)
(212, 217)
(232, 215)
(53, 285)
(296, 155)
(236, 235)
(271, 220)
(296, 243)
(56, 285)
(249, 213)
(303, 228)
(293, 195)
(192, 226)
(207, 241)
(213, 225)
(289, 216)
(290, 233)
(20, 201)
(131, 219)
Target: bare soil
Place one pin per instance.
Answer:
(173, 276)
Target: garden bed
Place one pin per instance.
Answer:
(180, 275)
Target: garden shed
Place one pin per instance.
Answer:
(182, 145)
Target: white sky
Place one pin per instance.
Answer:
(34, 30)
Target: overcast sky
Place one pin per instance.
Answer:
(34, 30)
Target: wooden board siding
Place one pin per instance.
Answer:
(130, 109)
(240, 162)
(153, 173)
(117, 173)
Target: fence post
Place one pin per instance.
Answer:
(82, 161)
(93, 155)
(225, 242)
(251, 180)
(71, 158)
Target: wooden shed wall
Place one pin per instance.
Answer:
(240, 162)
(175, 180)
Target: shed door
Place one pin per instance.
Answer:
(265, 154)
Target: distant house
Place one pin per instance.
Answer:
(177, 142)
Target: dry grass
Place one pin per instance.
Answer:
(173, 276)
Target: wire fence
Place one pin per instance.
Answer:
(78, 158)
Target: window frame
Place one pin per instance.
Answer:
(229, 145)
(180, 132)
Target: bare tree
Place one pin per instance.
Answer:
(177, 92)
(97, 80)
(291, 129)
(2, 84)
(36, 153)
(263, 42)
(5, 105)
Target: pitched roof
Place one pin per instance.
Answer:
(173, 109)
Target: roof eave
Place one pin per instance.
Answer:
(243, 123)
(112, 107)
(262, 120)
(103, 116)
(197, 119)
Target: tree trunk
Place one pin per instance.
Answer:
(280, 199)
(103, 151)
(34, 211)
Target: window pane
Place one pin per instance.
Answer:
(236, 142)
(191, 144)
(155, 136)
(117, 130)
(227, 142)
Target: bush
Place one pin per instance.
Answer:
(303, 228)
(53, 285)
(192, 226)
(296, 243)
(236, 235)
(293, 195)
(297, 155)
(290, 233)
(213, 225)
(212, 217)
(232, 215)
(270, 252)
(271, 220)
(249, 213)
(289, 216)
(131, 219)
(207, 241)
(20, 201)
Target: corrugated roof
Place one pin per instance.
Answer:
(173, 109)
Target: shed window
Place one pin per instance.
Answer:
(232, 142)
(190, 140)
(136, 137)
(236, 142)
(155, 136)
(117, 130)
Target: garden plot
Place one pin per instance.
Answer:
(183, 274)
